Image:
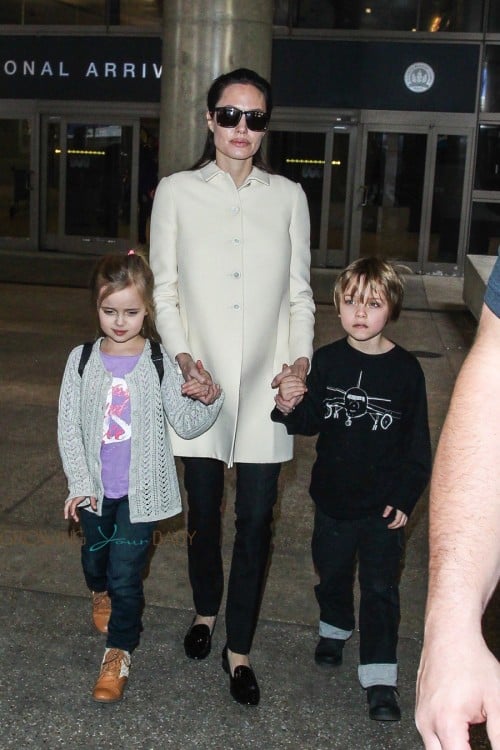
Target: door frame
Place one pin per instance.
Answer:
(433, 124)
(111, 113)
(15, 110)
(325, 122)
(83, 244)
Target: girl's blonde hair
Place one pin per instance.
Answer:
(377, 274)
(115, 272)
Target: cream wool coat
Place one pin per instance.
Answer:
(232, 272)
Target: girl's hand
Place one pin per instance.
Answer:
(212, 394)
(400, 519)
(71, 506)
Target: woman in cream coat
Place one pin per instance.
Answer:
(230, 254)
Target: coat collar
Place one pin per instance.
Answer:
(211, 170)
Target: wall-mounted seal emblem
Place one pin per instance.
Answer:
(419, 77)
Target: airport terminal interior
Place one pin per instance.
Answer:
(388, 114)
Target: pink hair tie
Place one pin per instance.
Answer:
(131, 252)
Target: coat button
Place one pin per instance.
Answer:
(236, 307)
(236, 274)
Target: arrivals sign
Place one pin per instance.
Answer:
(99, 68)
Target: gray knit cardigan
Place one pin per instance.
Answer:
(153, 486)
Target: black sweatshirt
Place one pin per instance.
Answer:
(370, 411)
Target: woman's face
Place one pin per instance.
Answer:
(238, 143)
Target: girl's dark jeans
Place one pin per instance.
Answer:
(114, 555)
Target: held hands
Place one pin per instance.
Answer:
(291, 385)
(400, 519)
(71, 506)
(199, 384)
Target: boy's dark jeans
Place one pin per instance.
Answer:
(114, 556)
(335, 546)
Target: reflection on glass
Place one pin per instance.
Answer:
(15, 192)
(382, 15)
(98, 169)
(148, 175)
(447, 198)
(391, 197)
(82, 12)
(450, 15)
(336, 214)
(301, 157)
(53, 176)
(484, 238)
(490, 83)
(487, 175)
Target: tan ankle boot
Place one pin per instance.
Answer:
(101, 610)
(113, 677)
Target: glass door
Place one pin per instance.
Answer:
(322, 162)
(18, 188)
(388, 203)
(410, 203)
(88, 171)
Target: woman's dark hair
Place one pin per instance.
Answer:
(244, 76)
(115, 272)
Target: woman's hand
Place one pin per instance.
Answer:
(199, 384)
(192, 370)
(300, 368)
(292, 391)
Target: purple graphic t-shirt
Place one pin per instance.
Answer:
(116, 431)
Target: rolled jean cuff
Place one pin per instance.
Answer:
(330, 631)
(378, 674)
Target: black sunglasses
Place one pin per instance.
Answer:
(229, 117)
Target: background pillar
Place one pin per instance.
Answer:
(201, 40)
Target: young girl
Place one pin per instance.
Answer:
(116, 451)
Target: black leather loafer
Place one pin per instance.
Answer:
(328, 652)
(383, 703)
(243, 684)
(198, 641)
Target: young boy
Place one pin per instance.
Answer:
(366, 398)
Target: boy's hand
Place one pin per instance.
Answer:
(400, 519)
(71, 506)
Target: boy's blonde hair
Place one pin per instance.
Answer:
(377, 274)
(115, 272)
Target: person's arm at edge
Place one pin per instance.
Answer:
(459, 679)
